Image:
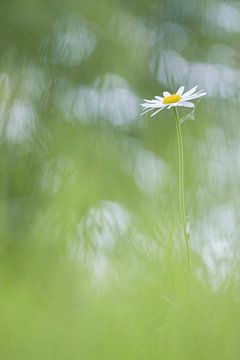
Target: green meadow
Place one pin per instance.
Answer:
(93, 261)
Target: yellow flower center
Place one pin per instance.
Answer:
(172, 99)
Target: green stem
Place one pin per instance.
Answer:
(181, 187)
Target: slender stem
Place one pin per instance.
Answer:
(181, 187)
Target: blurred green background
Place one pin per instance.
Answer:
(93, 263)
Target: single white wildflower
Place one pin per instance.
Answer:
(171, 100)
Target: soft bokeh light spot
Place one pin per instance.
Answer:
(110, 98)
(225, 15)
(71, 43)
(150, 172)
(21, 123)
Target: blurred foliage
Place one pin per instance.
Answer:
(93, 264)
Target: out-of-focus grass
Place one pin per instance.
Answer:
(113, 285)
(49, 307)
(93, 265)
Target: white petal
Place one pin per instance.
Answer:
(145, 111)
(191, 91)
(158, 111)
(149, 101)
(180, 90)
(166, 93)
(158, 98)
(145, 106)
(175, 104)
(157, 101)
(187, 104)
(195, 96)
(150, 104)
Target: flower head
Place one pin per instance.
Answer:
(171, 100)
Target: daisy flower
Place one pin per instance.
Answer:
(171, 100)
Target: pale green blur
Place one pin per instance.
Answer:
(93, 264)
